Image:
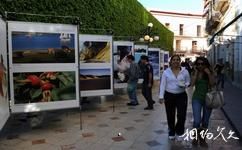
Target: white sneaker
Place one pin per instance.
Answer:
(171, 137)
(179, 138)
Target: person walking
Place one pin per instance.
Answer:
(147, 82)
(219, 69)
(133, 77)
(202, 79)
(174, 80)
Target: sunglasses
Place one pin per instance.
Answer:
(200, 64)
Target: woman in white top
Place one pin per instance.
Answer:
(174, 80)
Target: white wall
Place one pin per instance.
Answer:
(190, 24)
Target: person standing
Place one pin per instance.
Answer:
(133, 76)
(202, 79)
(147, 82)
(174, 80)
(186, 64)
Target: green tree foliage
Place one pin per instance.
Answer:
(123, 17)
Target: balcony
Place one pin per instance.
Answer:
(221, 5)
(212, 21)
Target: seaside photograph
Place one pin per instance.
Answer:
(37, 47)
(95, 79)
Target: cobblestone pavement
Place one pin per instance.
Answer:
(108, 124)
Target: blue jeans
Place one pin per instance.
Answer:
(197, 108)
(131, 89)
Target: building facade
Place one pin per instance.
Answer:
(224, 27)
(190, 39)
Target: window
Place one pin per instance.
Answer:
(167, 25)
(198, 30)
(178, 45)
(181, 29)
(194, 45)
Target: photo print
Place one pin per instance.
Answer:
(139, 50)
(95, 52)
(120, 62)
(39, 47)
(34, 87)
(95, 79)
(154, 57)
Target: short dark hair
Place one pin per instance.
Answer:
(130, 57)
(144, 57)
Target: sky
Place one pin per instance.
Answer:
(181, 6)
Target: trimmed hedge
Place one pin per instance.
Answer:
(127, 18)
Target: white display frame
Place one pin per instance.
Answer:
(98, 38)
(42, 67)
(122, 43)
(4, 101)
(158, 51)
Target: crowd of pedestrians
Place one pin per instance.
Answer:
(179, 76)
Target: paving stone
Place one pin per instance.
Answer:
(130, 128)
(68, 147)
(160, 131)
(139, 120)
(123, 112)
(153, 143)
(39, 141)
(60, 130)
(103, 125)
(114, 118)
(118, 138)
(88, 134)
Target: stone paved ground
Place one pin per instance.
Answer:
(101, 125)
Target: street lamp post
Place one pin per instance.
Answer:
(147, 35)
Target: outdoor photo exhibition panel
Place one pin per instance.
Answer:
(154, 58)
(4, 103)
(121, 50)
(95, 72)
(43, 60)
